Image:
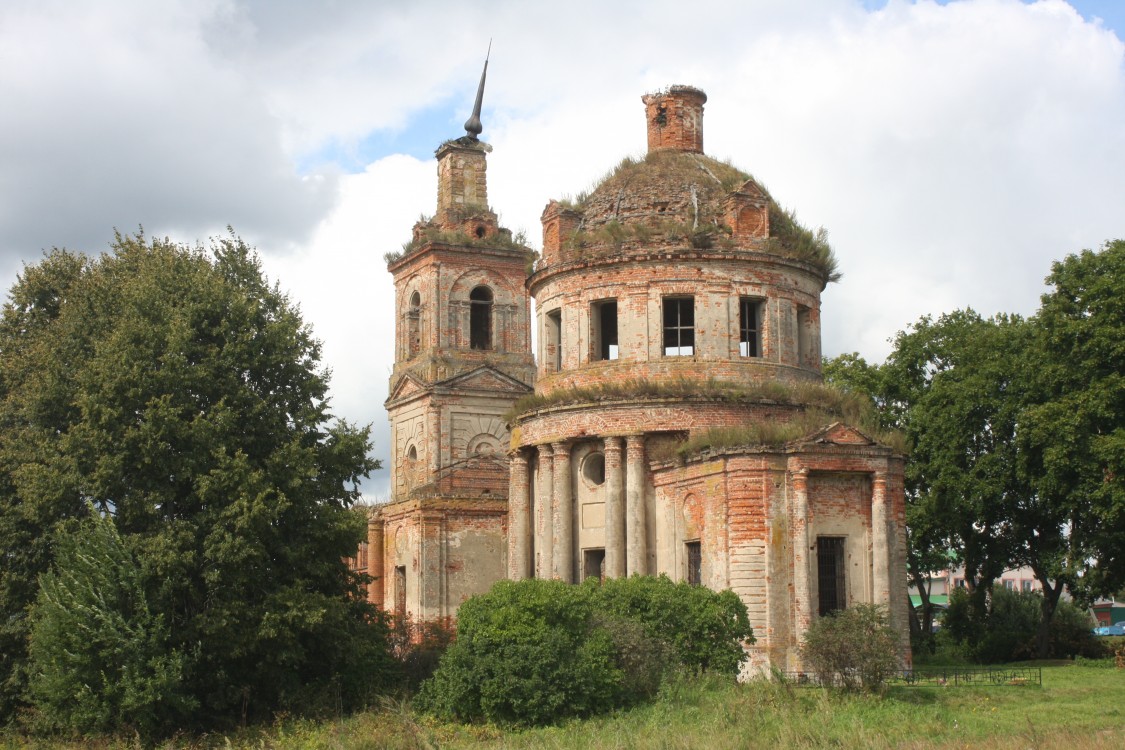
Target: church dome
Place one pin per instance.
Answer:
(677, 199)
(667, 189)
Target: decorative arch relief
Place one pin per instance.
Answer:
(479, 434)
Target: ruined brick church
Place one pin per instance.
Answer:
(672, 420)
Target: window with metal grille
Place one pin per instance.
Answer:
(830, 574)
(480, 318)
(693, 552)
(603, 329)
(679, 326)
(749, 327)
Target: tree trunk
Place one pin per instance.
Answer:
(1047, 611)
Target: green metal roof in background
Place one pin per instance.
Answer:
(938, 600)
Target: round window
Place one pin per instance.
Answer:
(593, 468)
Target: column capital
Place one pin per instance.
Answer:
(613, 443)
(546, 450)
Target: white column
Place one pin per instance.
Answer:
(636, 539)
(802, 595)
(614, 510)
(544, 508)
(880, 547)
(563, 516)
(519, 518)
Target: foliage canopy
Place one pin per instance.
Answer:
(178, 392)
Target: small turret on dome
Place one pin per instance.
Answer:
(677, 199)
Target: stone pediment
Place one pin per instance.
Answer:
(406, 387)
(752, 190)
(486, 379)
(839, 433)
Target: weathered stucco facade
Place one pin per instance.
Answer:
(672, 423)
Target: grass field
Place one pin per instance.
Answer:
(1077, 707)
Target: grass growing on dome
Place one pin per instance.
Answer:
(698, 222)
(792, 239)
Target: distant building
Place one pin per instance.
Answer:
(942, 583)
(676, 306)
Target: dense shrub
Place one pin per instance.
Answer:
(705, 629)
(101, 658)
(532, 652)
(1006, 630)
(418, 647)
(526, 653)
(854, 648)
(1072, 633)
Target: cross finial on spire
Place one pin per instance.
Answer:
(473, 125)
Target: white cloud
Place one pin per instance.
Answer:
(953, 151)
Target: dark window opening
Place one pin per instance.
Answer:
(554, 339)
(593, 564)
(604, 329)
(480, 232)
(805, 355)
(693, 552)
(480, 318)
(593, 468)
(679, 326)
(414, 332)
(830, 574)
(749, 327)
(400, 590)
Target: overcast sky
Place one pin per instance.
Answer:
(953, 150)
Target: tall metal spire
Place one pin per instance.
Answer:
(473, 125)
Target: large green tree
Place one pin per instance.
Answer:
(181, 394)
(1018, 433)
(953, 386)
(1074, 442)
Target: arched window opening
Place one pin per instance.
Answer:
(480, 318)
(414, 325)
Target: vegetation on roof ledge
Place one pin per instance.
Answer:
(823, 405)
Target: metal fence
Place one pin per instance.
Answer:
(941, 677)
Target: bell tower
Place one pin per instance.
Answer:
(462, 358)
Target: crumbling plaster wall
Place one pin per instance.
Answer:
(716, 284)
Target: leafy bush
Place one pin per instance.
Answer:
(101, 659)
(1006, 630)
(1009, 628)
(526, 653)
(1072, 633)
(705, 629)
(533, 652)
(855, 648)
